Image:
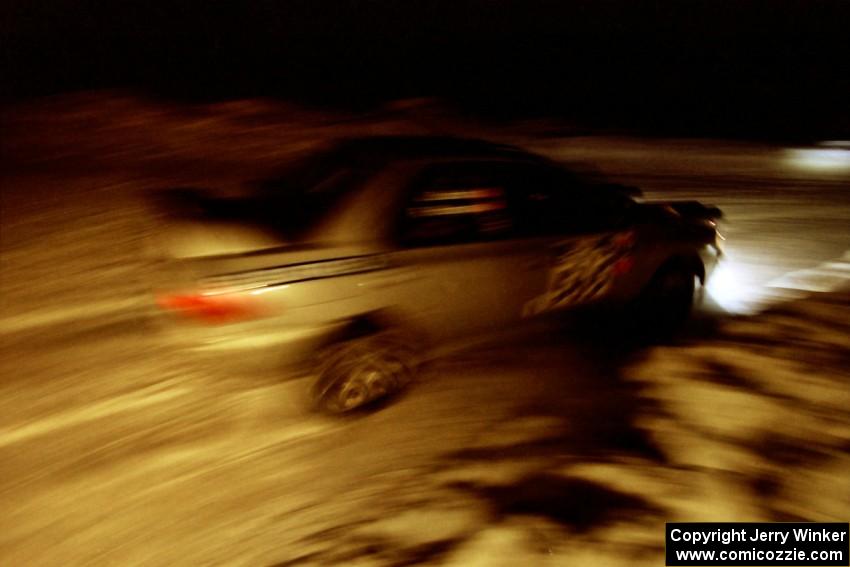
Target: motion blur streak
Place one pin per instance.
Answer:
(820, 159)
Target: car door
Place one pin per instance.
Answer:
(459, 234)
(584, 234)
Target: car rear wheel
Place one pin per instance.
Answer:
(357, 372)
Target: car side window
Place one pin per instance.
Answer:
(551, 201)
(457, 204)
(542, 200)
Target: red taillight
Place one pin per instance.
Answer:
(212, 309)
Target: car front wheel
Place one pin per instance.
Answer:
(666, 302)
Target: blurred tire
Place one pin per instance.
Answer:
(356, 373)
(666, 302)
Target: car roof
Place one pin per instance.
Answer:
(373, 153)
(392, 148)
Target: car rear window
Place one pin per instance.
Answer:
(287, 204)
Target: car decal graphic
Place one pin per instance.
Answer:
(583, 270)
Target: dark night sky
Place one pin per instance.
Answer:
(772, 68)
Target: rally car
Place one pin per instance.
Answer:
(366, 255)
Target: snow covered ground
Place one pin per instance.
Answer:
(749, 424)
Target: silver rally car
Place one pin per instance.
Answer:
(362, 258)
